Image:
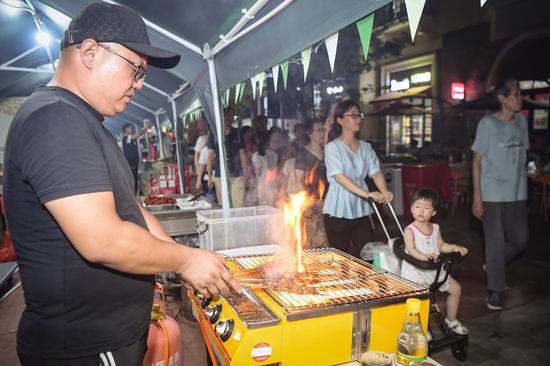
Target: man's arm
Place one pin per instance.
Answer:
(93, 226)
(155, 227)
(477, 205)
(209, 165)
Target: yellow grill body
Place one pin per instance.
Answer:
(325, 340)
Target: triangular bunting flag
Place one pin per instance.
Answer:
(306, 57)
(414, 12)
(243, 85)
(483, 2)
(261, 79)
(253, 81)
(331, 43)
(364, 26)
(237, 92)
(284, 70)
(275, 72)
(225, 98)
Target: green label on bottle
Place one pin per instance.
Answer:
(405, 360)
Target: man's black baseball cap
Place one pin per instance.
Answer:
(115, 23)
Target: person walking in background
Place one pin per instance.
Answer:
(500, 186)
(264, 162)
(311, 175)
(236, 162)
(349, 161)
(130, 147)
(250, 147)
(424, 242)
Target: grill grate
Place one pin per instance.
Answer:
(335, 279)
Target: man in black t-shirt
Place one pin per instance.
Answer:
(130, 147)
(86, 250)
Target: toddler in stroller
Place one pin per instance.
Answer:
(423, 241)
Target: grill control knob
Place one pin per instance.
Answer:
(213, 312)
(203, 301)
(224, 329)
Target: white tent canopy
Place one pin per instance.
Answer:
(221, 42)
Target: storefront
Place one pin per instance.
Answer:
(410, 83)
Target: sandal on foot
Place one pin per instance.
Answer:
(456, 327)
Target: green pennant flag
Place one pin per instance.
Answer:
(237, 92)
(261, 78)
(243, 86)
(226, 97)
(306, 58)
(364, 26)
(284, 70)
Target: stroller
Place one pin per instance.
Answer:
(440, 336)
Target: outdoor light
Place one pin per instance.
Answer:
(335, 89)
(458, 91)
(43, 38)
(10, 9)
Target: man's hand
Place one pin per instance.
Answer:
(207, 274)
(210, 183)
(477, 208)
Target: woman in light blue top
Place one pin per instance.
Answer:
(349, 161)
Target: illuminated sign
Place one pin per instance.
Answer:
(423, 77)
(458, 91)
(400, 85)
(420, 78)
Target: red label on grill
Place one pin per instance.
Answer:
(261, 352)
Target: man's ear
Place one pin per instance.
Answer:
(501, 99)
(88, 52)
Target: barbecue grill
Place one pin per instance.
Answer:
(330, 314)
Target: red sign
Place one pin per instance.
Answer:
(458, 91)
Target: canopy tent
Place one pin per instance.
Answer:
(401, 108)
(221, 43)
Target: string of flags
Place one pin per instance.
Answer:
(364, 27)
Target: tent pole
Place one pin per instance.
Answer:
(226, 201)
(159, 137)
(178, 152)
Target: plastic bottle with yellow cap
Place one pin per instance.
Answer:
(412, 345)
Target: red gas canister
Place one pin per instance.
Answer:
(164, 341)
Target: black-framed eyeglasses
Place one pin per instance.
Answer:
(139, 71)
(354, 115)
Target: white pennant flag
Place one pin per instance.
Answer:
(261, 78)
(483, 2)
(331, 44)
(253, 81)
(414, 12)
(275, 72)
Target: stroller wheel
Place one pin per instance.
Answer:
(460, 352)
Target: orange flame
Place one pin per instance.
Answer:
(311, 179)
(292, 213)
